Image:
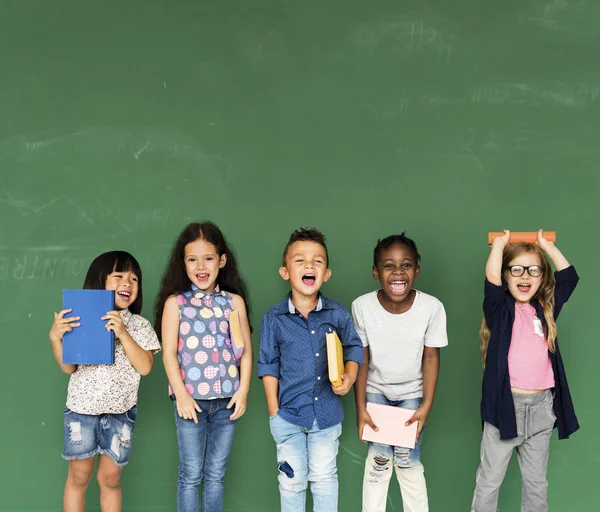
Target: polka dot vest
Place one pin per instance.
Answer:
(208, 367)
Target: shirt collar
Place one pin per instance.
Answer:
(286, 306)
(125, 315)
(201, 293)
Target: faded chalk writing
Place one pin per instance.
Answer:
(405, 38)
(39, 267)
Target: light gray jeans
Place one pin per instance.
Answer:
(535, 421)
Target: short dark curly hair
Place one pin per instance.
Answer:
(306, 235)
(395, 239)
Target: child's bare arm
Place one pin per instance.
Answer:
(360, 396)
(493, 268)
(431, 371)
(187, 407)
(271, 384)
(559, 261)
(239, 399)
(60, 326)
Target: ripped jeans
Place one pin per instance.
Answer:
(86, 435)
(305, 456)
(381, 462)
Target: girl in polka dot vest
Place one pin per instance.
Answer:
(207, 382)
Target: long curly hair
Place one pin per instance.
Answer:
(175, 279)
(544, 295)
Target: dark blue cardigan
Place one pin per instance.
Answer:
(497, 405)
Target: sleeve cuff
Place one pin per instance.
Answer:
(493, 290)
(566, 274)
(267, 369)
(354, 354)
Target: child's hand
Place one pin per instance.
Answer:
(347, 383)
(542, 243)
(501, 241)
(62, 325)
(420, 415)
(187, 407)
(238, 400)
(364, 418)
(115, 323)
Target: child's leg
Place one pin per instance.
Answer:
(292, 458)
(219, 438)
(322, 469)
(116, 434)
(495, 455)
(80, 448)
(378, 468)
(80, 473)
(376, 480)
(409, 470)
(533, 454)
(109, 479)
(191, 439)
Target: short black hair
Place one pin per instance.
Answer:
(306, 235)
(114, 261)
(392, 240)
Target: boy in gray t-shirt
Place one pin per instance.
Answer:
(402, 330)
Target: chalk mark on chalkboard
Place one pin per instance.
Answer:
(406, 37)
(142, 149)
(355, 457)
(577, 96)
(557, 15)
(11, 201)
(468, 154)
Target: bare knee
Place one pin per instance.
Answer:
(109, 478)
(80, 472)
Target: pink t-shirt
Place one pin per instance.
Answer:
(529, 365)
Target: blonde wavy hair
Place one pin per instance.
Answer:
(544, 295)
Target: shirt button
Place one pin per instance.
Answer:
(318, 378)
(316, 398)
(317, 354)
(312, 332)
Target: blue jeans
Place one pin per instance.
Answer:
(306, 456)
(203, 451)
(381, 462)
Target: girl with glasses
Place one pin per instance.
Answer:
(525, 391)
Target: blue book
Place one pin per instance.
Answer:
(90, 343)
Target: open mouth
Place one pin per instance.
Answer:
(398, 287)
(202, 277)
(524, 288)
(309, 279)
(124, 295)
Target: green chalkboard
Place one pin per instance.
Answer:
(121, 121)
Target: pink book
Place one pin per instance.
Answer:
(390, 422)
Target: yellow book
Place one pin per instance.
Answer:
(335, 358)
(235, 331)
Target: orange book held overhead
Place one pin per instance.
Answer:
(523, 236)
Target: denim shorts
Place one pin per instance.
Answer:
(109, 434)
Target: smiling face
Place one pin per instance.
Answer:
(125, 285)
(202, 264)
(305, 268)
(523, 288)
(396, 271)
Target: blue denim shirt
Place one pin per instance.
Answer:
(293, 349)
(497, 405)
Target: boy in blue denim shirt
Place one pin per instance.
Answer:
(305, 409)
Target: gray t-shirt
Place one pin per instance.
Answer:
(396, 342)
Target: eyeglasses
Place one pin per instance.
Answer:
(519, 270)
